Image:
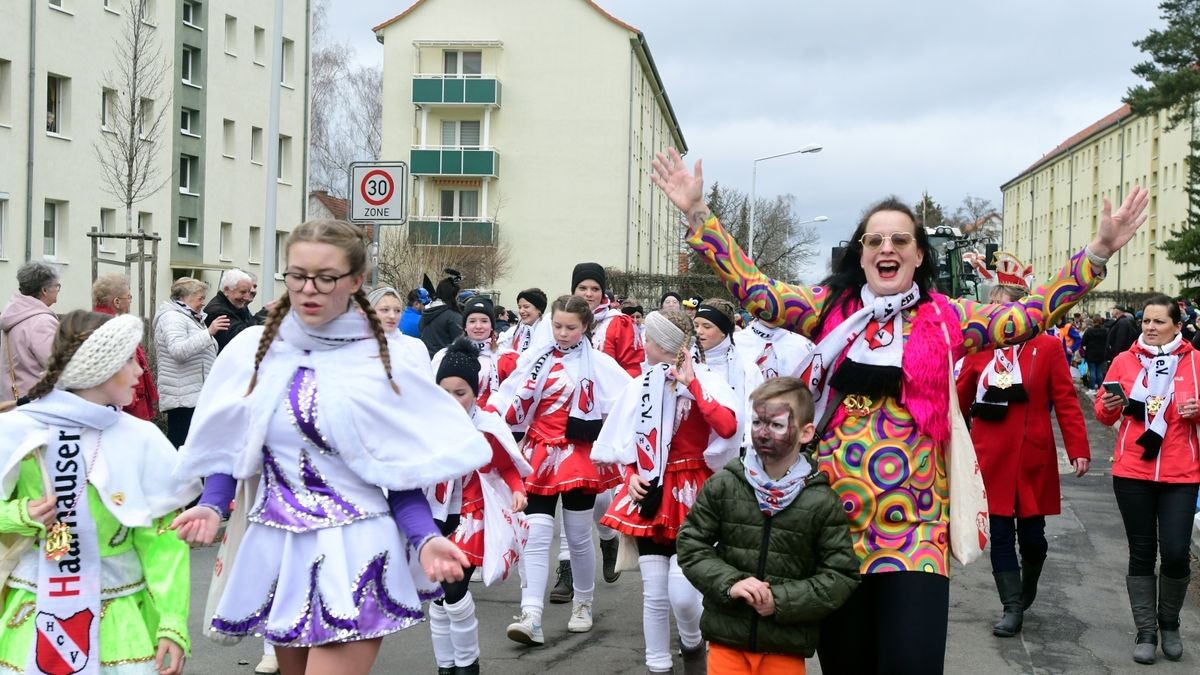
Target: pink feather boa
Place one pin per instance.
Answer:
(925, 392)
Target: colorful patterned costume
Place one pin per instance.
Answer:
(890, 477)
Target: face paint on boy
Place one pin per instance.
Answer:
(772, 431)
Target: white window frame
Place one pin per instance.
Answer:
(459, 60)
(284, 174)
(193, 122)
(188, 63)
(5, 93)
(229, 139)
(145, 112)
(280, 252)
(103, 244)
(108, 103)
(184, 230)
(188, 165)
(289, 63)
(260, 46)
(55, 83)
(55, 225)
(458, 134)
(456, 210)
(256, 145)
(184, 11)
(225, 243)
(231, 35)
(255, 246)
(3, 225)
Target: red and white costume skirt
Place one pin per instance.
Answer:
(681, 483)
(561, 465)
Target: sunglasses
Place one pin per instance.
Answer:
(874, 240)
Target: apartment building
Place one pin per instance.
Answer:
(1053, 208)
(212, 155)
(530, 125)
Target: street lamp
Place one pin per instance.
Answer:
(818, 219)
(753, 181)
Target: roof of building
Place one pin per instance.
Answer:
(640, 42)
(338, 208)
(1115, 117)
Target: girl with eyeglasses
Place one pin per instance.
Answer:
(880, 376)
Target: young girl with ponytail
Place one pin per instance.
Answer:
(670, 429)
(332, 439)
(86, 493)
(559, 395)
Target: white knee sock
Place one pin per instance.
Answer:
(603, 501)
(564, 551)
(268, 650)
(583, 552)
(439, 630)
(687, 603)
(464, 630)
(537, 564)
(656, 612)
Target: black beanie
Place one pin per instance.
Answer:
(670, 294)
(535, 297)
(461, 360)
(589, 270)
(479, 305)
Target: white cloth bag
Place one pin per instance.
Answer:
(969, 530)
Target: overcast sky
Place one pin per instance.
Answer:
(947, 96)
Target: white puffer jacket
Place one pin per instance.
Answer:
(185, 355)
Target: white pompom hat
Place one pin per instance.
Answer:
(102, 354)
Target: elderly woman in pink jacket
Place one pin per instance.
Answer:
(27, 327)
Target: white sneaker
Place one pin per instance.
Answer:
(581, 617)
(269, 664)
(526, 631)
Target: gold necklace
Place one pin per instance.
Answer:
(58, 536)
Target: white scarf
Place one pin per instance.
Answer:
(1154, 388)
(781, 350)
(523, 336)
(775, 495)
(489, 374)
(524, 388)
(723, 359)
(883, 347)
(656, 423)
(490, 422)
(999, 380)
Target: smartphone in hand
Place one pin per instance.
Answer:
(1116, 389)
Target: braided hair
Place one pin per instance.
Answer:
(73, 329)
(353, 243)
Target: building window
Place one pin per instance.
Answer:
(189, 122)
(256, 145)
(190, 14)
(187, 173)
(289, 62)
(460, 134)
(5, 92)
(229, 138)
(145, 221)
(108, 105)
(187, 228)
(57, 92)
(280, 249)
(231, 35)
(3, 226)
(53, 218)
(255, 256)
(190, 66)
(108, 225)
(459, 204)
(225, 245)
(285, 159)
(147, 11)
(465, 64)
(260, 45)
(145, 117)
(57, 4)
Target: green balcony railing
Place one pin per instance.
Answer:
(455, 90)
(446, 161)
(451, 232)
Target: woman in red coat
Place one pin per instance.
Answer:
(1010, 393)
(1156, 470)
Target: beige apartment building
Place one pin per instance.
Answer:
(57, 92)
(1053, 208)
(530, 124)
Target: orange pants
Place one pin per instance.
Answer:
(729, 661)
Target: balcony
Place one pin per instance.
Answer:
(455, 90)
(451, 232)
(454, 161)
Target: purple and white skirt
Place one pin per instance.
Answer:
(351, 582)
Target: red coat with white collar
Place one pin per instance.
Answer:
(1017, 455)
(1179, 459)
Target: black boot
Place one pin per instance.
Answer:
(1031, 571)
(1170, 600)
(564, 586)
(695, 659)
(472, 669)
(445, 670)
(608, 551)
(1009, 586)
(1142, 600)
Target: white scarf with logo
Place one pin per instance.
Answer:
(1155, 387)
(1006, 363)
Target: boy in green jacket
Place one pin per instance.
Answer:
(767, 544)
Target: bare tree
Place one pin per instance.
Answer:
(137, 115)
(782, 245)
(978, 219)
(403, 263)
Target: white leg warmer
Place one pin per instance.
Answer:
(656, 612)
(268, 650)
(687, 603)
(439, 629)
(537, 564)
(564, 551)
(583, 552)
(464, 631)
(603, 501)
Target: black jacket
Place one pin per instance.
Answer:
(1095, 344)
(1121, 336)
(439, 326)
(239, 319)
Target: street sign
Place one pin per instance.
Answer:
(379, 192)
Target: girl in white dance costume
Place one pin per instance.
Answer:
(333, 439)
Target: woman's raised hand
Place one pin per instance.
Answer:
(684, 188)
(1117, 228)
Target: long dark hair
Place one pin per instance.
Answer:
(848, 277)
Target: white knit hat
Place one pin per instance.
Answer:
(102, 354)
(664, 333)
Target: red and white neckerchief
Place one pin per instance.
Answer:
(775, 495)
(1003, 372)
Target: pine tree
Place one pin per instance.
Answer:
(929, 213)
(1173, 85)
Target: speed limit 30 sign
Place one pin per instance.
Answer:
(378, 192)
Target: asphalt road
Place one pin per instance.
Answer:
(1080, 623)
